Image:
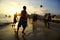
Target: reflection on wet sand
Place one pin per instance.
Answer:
(34, 31)
(17, 36)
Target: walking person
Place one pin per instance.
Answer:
(34, 24)
(45, 20)
(49, 20)
(23, 20)
(15, 19)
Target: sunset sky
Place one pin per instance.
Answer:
(13, 6)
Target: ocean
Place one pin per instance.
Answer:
(4, 19)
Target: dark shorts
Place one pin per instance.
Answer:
(23, 23)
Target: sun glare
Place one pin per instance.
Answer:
(13, 11)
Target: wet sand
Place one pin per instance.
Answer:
(34, 31)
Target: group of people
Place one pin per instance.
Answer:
(47, 20)
(23, 19)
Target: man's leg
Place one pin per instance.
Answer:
(48, 24)
(23, 29)
(19, 25)
(24, 26)
(45, 24)
(17, 29)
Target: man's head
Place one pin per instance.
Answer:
(24, 7)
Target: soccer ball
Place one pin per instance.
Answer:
(41, 6)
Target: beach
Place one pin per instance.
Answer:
(34, 31)
(42, 18)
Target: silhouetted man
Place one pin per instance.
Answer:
(23, 19)
(15, 19)
(34, 17)
(49, 19)
(45, 19)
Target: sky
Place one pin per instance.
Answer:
(33, 6)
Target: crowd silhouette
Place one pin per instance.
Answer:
(24, 16)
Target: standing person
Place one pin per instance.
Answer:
(15, 19)
(48, 20)
(45, 19)
(34, 17)
(34, 24)
(23, 19)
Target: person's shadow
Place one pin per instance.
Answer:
(17, 36)
(23, 37)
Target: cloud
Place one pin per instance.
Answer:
(8, 5)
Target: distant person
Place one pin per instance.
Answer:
(34, 17)
(45, 20)
(34, 24)
(15, 19)
(49, 20)
(23, 20)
